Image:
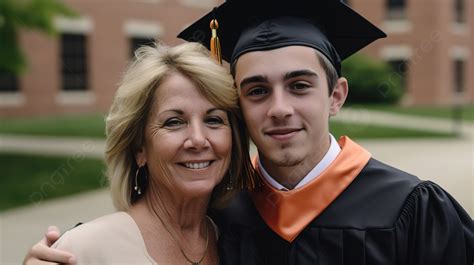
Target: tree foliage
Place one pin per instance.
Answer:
(371, 81)
(25, 14)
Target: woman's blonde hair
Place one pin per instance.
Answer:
(127, 118)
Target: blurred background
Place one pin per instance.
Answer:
(411, 100)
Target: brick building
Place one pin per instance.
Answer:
(430, 44)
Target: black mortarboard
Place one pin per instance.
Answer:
(329, 26)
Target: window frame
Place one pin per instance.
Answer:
(74, 61)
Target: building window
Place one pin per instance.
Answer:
(459, 11)
(137, 42)
(459, 76)
(74, 61)
(400, 68)
(396, 9)
(8, 81)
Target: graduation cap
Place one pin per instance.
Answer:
(329, 26)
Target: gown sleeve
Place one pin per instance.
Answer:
(434, 229)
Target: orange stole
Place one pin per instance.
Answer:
(287, 213)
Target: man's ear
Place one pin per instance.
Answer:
(338, 96)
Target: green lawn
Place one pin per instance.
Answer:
(32, 179)
(92, 125)
(364, 131)
(466, 112)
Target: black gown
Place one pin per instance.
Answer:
(385, 216)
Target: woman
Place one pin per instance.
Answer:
(174, 145)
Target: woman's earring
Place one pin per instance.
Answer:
(140, 183)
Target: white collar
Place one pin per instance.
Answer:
(331, 154)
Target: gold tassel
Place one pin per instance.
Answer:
(215, 43)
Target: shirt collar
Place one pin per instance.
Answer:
(330, 155)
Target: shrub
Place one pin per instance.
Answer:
(371, 81)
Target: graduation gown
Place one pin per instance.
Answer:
(379, 215)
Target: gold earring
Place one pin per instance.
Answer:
(137, 188)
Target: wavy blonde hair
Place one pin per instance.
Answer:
(126, 120)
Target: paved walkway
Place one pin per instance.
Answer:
(93, 148)
(448, 162)
(22, 227)
(405, 121)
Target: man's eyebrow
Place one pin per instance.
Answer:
(253, 79)
(297, 73)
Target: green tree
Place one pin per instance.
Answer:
(371, 81)
(28, 14)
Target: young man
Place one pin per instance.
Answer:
(321, 202)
